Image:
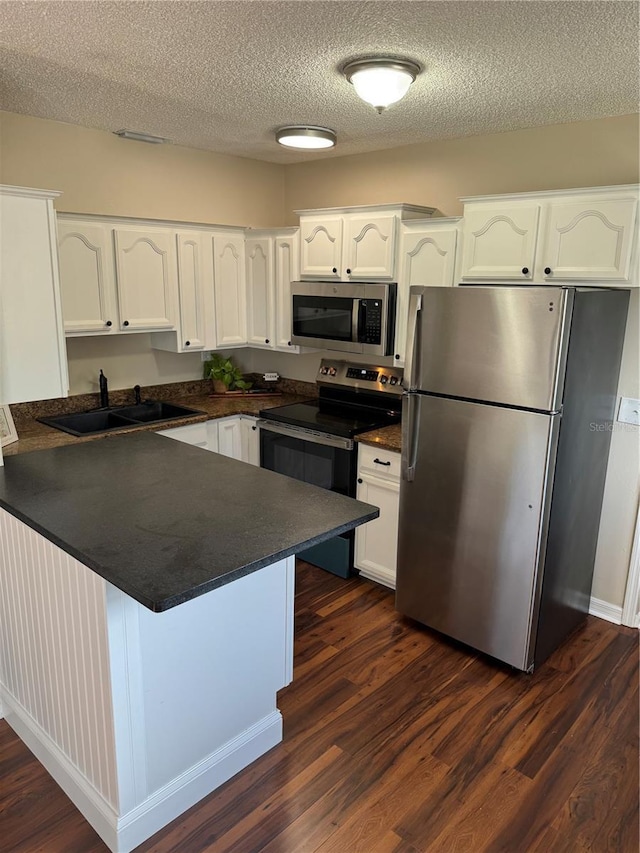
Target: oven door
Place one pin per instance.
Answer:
(326, 315)
(322, 460)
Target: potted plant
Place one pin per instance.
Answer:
(225, 375)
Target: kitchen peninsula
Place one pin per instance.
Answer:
(146, 618)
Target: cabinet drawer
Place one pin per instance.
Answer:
(382, 463)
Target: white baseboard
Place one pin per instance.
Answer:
(122, 834)
(604, 610)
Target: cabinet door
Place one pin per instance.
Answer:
(427, 257)
(212, 436)
(229, 291)
(260, 295)
(589, 240)
(33, 356)
(87, 278)
(500, 242)
(191, 282)
(321, 247)
(195, 434)
(377, 541)
(287, 263)
(370, 247)
(250, 441)
(146, 278)
(230, 437)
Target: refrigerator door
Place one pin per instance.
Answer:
(473, 523)
(503, 345)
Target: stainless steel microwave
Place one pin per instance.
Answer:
(344, 316)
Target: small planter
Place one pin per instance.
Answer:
(219, 387)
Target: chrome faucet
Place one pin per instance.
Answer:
(104, 391)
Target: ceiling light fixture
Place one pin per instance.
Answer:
(381, 81)
(306, 136)
(140, 137)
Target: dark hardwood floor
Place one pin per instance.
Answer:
(398, 741)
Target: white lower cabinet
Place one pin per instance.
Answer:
(236, 436)
(195, 434)
(377, 541)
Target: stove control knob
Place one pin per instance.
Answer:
(384, 379)
(394, 380)
(324, 370)
(332, 371)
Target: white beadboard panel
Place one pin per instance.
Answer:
(54, 652)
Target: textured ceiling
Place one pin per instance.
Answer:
(223, 75)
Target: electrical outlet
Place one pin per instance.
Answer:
(271, 377)
(629, 411)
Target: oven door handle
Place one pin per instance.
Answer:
(306, 435)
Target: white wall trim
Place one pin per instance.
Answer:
(100, 814)
(122, 834)
(630, 614)
(604, 610)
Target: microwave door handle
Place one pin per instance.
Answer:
(415, 307)
(355, 320)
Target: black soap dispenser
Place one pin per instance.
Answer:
(104, 391)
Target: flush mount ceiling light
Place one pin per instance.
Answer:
(306, 136)
(140, 137)
(381, 81)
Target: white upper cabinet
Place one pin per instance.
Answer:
(87, 277)
(260, 292)
(353, 243)
(287, 269)
(500, 241)
(230, 290)
(590, 239)
(33, 356)
(427, 257)
(194, 271)
(370, 246)
(146, 278)
(321, 247)
(575, 235)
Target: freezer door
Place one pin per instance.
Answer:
(505, 345)
(473, 523)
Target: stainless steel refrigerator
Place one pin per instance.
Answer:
(507, 416)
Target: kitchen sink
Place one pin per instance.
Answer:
(123, 417)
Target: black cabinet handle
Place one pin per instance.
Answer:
(397, 356)
(525, 270)
(288, 343)
(187, 343)
(335, 269)
(380, 462)
(254, 428)
(348, 272)
(126, 323)
(547, 270)
(266, 340)
(108, 323)
(360, 479)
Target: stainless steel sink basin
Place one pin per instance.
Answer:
(123, 417)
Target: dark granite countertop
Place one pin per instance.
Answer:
(33, 435)
(164, 521)
(388, 438)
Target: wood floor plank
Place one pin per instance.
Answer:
(398, 740)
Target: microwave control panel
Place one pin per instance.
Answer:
(367, 377)
(372, 327)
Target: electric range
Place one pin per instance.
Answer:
(313, 441)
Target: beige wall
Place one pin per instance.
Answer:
(98, 172)
(437, 174)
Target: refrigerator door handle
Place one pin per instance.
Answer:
(415, 306)
(410, 424)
